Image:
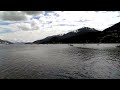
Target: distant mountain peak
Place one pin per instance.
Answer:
(87, 29)
(70, 36)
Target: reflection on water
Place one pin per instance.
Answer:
(58, 62)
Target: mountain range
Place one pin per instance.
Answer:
(85, 35)
(82, 35)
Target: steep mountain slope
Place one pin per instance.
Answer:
(111, 34)
(86, 35)
(81, 35)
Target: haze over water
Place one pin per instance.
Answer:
(59, 61)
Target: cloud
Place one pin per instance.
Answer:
(24, 26)
(32, 12)
(35, 24)
(17, 20)
(13, 16)
(18, 15)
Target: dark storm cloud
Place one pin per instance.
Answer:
(17, 15)
(13, 16)
(32, 12)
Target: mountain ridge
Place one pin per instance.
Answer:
(85, 35)
(65, 38)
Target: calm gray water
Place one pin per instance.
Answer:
(58, 62)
